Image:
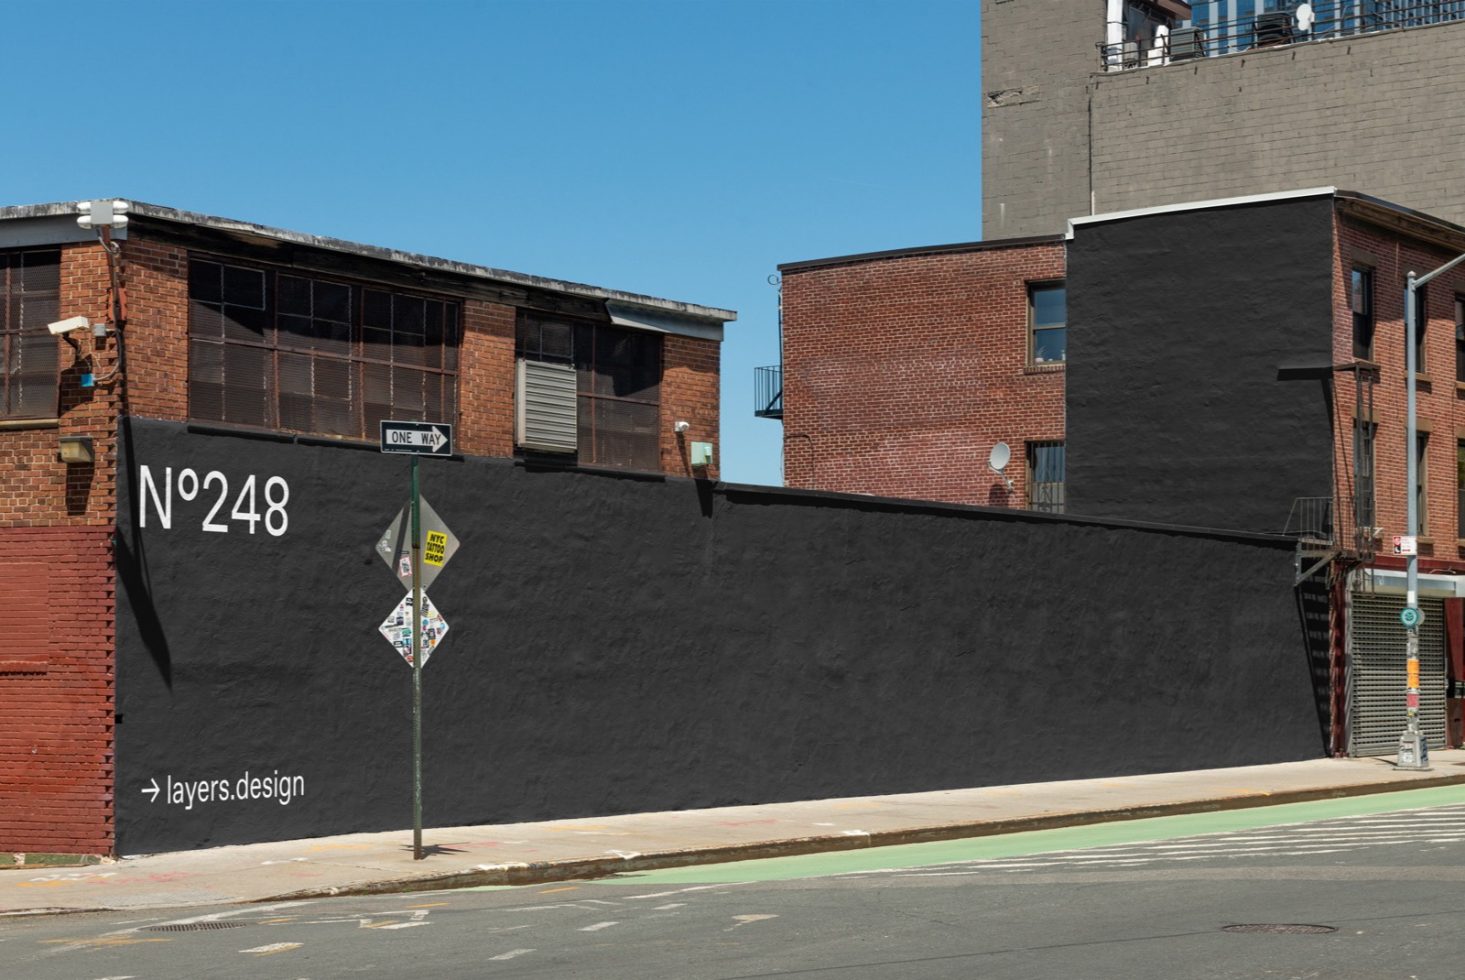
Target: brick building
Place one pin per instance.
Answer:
(902, 369)
(235, 327)
(1234, 364)
(1071, 126)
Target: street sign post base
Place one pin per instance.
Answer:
(1413, 752)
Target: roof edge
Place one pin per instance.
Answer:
(157, 212)
(1220, 202)
(919, 250)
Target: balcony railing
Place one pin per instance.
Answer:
(1279, 25)
(768, 392)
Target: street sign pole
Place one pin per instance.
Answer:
(416, 665)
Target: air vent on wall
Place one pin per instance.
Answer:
(544, 407)
(1187, 43)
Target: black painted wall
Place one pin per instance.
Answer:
(1178, 324)
(623, 645)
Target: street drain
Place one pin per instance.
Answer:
(193, 926)
(1280, 928)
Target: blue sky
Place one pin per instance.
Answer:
(681, 148)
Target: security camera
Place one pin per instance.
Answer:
(682, 426)
(68, 325)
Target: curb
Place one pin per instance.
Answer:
(547, 872)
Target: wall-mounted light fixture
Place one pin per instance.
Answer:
(681, 427)
(76, 450)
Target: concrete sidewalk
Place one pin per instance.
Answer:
(529, 853)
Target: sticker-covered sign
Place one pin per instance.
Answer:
(438, 545)
(397, 628)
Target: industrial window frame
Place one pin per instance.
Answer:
(607, 384)
(29, 355)
(1059, 327)
(319, 354)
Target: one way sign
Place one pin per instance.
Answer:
(418, 438)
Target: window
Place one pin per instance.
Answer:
(290, 351)
(1361, 300)
(1047, 322)
(1363, 460)
(1460, 338)
(1045, 476)
(30, 298)
(1460, 488)
(1421, 323)
(1421, 480)
(618, 387)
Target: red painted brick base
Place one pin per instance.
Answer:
(56, 673)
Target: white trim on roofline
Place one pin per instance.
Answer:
(1221, 202)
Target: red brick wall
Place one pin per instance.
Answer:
(56, 685)
(157, 329)
(1440, 401)
(689, 393)
(900, 374)
(486, 382)
(57, 593)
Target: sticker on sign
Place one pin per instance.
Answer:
(439, 544)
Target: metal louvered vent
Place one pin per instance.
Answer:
(544, 407)
(1376, 673)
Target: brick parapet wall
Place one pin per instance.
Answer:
(689, 393)
(1440, 401)
(56, 685)
(486, 382)
(900, 374)
(157, 329)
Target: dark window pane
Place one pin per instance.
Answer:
(1459, 339)
(376, 309)
(40, 272)
(293, 295)
(1050, 346)
(206, 381)
(205, 320)
(248, 382)
(33, 380)
(245, 324)
(244, 287)
(333, 302)
(1050, 305)
(205, 281)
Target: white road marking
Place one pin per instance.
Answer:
(402, 925)
(625, 855)
(669, 906)
(743, 920)
(511, 954)
(211, 917)
(272, 949)
(598, 926)
(679, 891)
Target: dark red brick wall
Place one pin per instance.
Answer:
(689, 393)
(1440, 401)
(900, 374)
(56, 686)
(57, 594)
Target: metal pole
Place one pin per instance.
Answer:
(416, 665)
(1413, 750)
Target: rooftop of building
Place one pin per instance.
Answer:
(55, 223)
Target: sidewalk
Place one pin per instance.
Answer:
(529, 853)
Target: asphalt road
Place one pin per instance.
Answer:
(1382, 892)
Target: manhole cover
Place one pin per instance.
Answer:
(1283, 928)
(194, 926)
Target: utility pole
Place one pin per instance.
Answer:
(1413, 747)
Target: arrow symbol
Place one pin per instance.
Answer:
(153, 789)
(435, 439)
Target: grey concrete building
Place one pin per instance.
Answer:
(1372, 95)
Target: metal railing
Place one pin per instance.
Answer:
(1204, 37)
(1046, 498)
(1311, 520)
(768, 392)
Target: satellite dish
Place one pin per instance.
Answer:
(998, 459)
(1000, 456)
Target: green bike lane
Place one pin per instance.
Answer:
(1026, 843)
